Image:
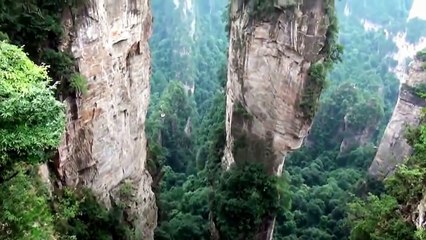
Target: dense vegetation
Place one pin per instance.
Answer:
(186, 132)
(390, 215)
(185, 124)
(32, 120)
(358, 102)
(31, 123)
(322, 176)
(37, 26)
(244, 197)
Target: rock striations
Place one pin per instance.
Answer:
(104, 145)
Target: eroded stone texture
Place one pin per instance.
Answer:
(393, 148)
(105, 144)
(267, 75)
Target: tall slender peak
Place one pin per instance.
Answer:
(104, 147)
(279, 55)
(276, 67)
(394, 148)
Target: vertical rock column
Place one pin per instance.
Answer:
(268, 81)
(269, 60)
(105, 145)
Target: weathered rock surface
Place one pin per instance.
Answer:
(267, 75)
(105, 145)
(393, 148)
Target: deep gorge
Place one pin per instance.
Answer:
(202, 119)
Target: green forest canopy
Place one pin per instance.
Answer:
(185, 130)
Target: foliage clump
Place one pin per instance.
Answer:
(31, 124)
(316, 83)
(415, 30)
(79, 83)
(367, 219)
(262, 8)
(79, 215)
(25, 211)
(388, 216)
(365, 114)
(4, 37)
(37, 26)
(419, 90)
(241, 111)
(31, 119)
(421, 55)
(62, 70)
(243, 199)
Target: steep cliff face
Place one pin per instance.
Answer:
(393, 148)
(269, 62)
(104, 145)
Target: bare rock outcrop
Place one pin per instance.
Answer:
(393, 148)
(104, 145)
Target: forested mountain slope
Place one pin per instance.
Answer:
(186, 112)
(179, 118)
(398, 213)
